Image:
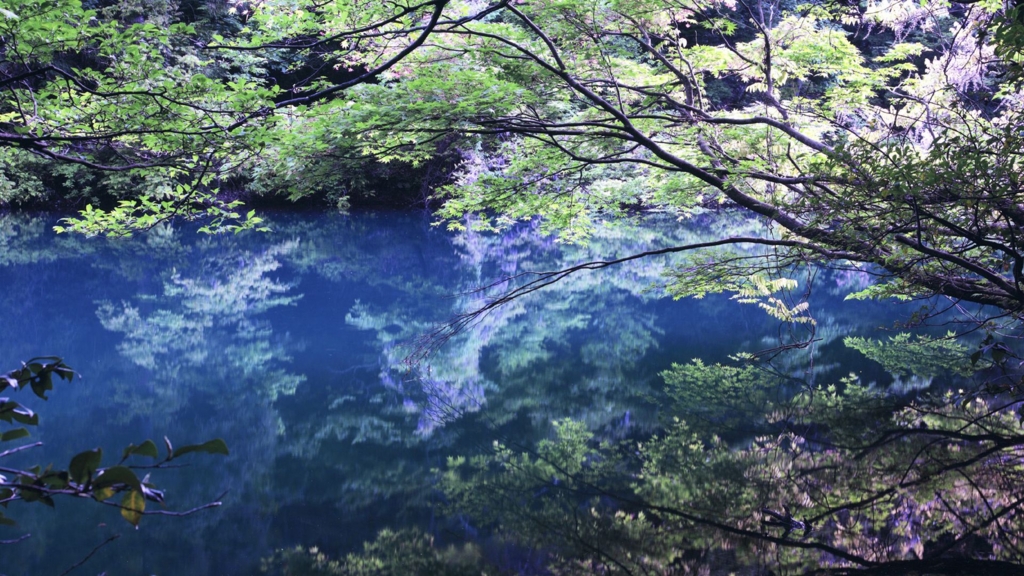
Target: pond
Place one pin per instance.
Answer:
(293, 348)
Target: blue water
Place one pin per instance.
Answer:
(292, 347)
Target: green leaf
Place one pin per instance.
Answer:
(13, 434)
(117, 475)
(132, 506)
(215, 446)
(147, 448)
(57, 480)
(84, 465)
(12, 411)
(29, 494)
(42, 384)
(998, 353)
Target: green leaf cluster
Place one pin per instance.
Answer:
(85, 475)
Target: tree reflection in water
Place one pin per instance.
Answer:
(839, 478)
(333, 436)
(784, 467)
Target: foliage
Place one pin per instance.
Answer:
(887, 136)
(626, 116)
(556, 488)
(723, 400)
(111, 94)
(850, 479)
(392, 553)
(1009, 35)
(594, 512)
(85, 476)
(152, 90)
(922, 356)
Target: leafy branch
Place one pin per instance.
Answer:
(84, 476)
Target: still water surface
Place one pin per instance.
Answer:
(290, 347)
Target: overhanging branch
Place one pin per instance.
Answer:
(431, 341)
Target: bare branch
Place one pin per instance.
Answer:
(19, 449)
(90, 554)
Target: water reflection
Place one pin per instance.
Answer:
(292, 347)
(208, 318)
(841, 478)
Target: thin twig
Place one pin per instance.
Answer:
(19, 449)
(16, 540)
(434, 339)
(217, 502)
(90, 554)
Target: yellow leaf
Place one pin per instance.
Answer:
(103, 493)
(132, 506)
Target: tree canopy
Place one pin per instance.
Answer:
(884, 134)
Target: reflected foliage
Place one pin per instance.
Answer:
(214, 312)
(847, 478)
(406, 552)
(725, 400)
(292, 348)
(921, 356)
(548, 337)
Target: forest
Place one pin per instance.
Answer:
(618, 287)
